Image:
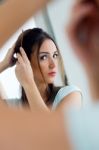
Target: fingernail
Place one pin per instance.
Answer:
(21, 48)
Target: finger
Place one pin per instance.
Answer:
(12, 48)
(24, 56)
(19, 58)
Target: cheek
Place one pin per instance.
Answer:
(57, 64)
(44, 67)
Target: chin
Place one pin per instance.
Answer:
(50, 82)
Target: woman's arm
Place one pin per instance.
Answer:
(13, 13)
(3, 66)
(72, 100)
(24, 74)
(8, 61)
(2, 92)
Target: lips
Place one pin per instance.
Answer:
(52, 73)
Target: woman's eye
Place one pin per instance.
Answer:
(55, 55)
(43, 57)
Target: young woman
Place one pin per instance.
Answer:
(38, 60)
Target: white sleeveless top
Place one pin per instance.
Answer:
(64, 91)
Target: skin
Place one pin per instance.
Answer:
(22, 129)
(2, 92)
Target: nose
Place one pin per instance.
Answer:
(52, 63)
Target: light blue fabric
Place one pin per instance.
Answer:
(64, 91)
(84, 128)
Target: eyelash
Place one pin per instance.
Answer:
(56, 55)
(45, 56)
(42, 57)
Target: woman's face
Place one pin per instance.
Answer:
(48, 60)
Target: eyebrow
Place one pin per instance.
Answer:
(46, 52)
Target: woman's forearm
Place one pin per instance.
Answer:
(13, 13)
(34, 98)
(3, 66)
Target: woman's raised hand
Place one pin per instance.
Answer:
(83, 31)
(9, 59)
(23, 69)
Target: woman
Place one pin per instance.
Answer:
(37, 64)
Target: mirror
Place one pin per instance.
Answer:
(53, 19)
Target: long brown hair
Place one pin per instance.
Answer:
(31, 40)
